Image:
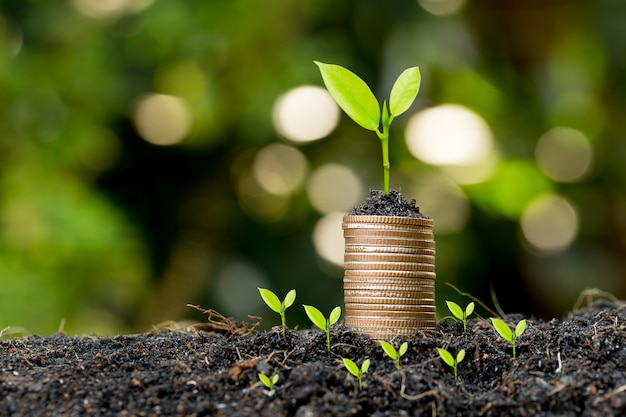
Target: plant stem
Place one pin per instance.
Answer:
(386, 164)
(282, 316)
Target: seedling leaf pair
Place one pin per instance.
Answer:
(354, 369)
(459, 313)
(276, 305)
(269, 383)
(451, 360)
(322, 322)
(394, 354)
(507, 334)
(356, 99)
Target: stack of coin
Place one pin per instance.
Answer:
(389, 280)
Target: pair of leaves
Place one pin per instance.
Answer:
(392, 352)
(505, 331)
(318, 318)
(274, 302)
(458, 312)
(354, 369)
(355, 98)
(449, 359)
(269, 383)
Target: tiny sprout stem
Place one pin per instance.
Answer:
(328, 337)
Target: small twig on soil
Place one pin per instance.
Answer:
(476, 300)
(558, 358)
(610, 394)
(589, 294)
(221, 324)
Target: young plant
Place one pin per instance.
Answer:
(269, 382)
(322, 322)
(275, 304)
(451, 360)
(394, 354)
(354, 369)
(355, 98)
(507, 334)
(459, 313)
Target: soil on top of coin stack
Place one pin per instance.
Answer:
(393, 204)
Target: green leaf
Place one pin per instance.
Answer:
(469, 309)
(455, 309)
(404, 91)
(351, 94)
(386, 119)
(403, 348)
(290, 298)
(365, 366)
(460, 356)
(389, 349)
(270, 299)
(446, 356)
(503, 329)
(315, 316)
(351, 366)
(334, 315)
(275, 379)
(265, 380)
(519, 329)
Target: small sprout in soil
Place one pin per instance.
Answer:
(276, 305)
(507, 334)
(322, 322)
(459, 313)
(354, 369)
(393, 353)
(355, 98)
(451, 360)
(269, 382)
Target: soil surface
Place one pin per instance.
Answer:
(392, 204)
(563, 368)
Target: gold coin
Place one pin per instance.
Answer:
(388, 257)
(427, 247)
(388, 220)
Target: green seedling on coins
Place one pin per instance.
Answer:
(354, 369)
(269, 382)
(507, 334)
(459, 313)
(394, 354)
(276, 305)
(356, 99)
(451, 360)
(322, 322)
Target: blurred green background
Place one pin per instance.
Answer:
(155, 153)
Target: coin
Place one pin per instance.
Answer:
(388, 219)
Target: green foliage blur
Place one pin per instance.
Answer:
(103, 232)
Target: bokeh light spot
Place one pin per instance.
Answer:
(441, 7)
(439, 196)
(549, 223)
(162, 119)
(564, 154)
(246, 277)
(334, 187)
(104, 9)
(305, 114)
(328, 238)
(449, 135)
(280, 169)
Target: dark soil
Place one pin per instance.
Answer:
(563, 368)
(392, 204)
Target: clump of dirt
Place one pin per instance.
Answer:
(393, 204)
(563, 368)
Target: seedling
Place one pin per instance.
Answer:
(451, 360)
(269, 382)
(275, 304)
(322, 322)
(394, 354)
(355, 98)
(459, 313)
(354, 369)
(507, 334)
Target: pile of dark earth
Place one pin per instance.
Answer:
(563, 368)
(393, 204)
